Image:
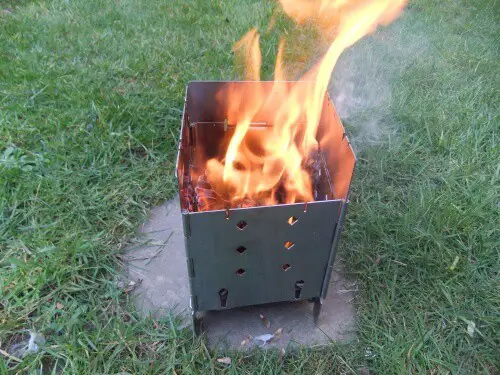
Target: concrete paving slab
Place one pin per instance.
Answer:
(157, 257)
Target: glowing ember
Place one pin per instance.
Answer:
(278, 162)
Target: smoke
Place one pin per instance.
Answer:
(361, 86)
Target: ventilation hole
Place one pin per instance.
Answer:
(286, 267)
(292, 220)
(242, 224)
(288, 245)
(240, 272)
(241, 249)
(298, 288)
(223, 297)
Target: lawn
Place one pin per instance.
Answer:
(91, 93)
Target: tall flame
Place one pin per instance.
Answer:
(248, 48)
(257, 164)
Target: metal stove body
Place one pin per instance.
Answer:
(249, 256)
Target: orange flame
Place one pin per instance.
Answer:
(258, 163)
(248, 48)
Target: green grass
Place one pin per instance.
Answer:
(90, 101)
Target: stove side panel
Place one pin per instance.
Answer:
(257, 256)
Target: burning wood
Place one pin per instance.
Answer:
(205, 197)
(314, 167)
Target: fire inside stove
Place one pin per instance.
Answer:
(205, 194)
(258, 178)
(262, 144)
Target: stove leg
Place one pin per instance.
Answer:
(197, 323)
(317, 309)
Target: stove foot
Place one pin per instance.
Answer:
(317, 309)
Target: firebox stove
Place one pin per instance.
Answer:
(250, 255)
